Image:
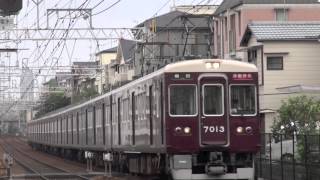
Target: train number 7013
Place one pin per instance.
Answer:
(213, 129)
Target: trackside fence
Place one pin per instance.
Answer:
(288, 157)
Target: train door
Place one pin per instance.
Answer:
(213, 110)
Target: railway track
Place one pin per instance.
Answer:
(35, 168)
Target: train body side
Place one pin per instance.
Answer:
(196, 112)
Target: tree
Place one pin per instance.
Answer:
(52, 102)
(298, 114)
(299, 117)
(85, 94)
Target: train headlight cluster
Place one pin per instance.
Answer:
(249, 129)
(187, 130)
(178, 129)
(212, 65)
(240, 130)
(182, 76)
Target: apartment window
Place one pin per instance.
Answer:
(239, 22)
(161, 51)
(225, 28)
(281, 14)
(177, 50)
(232, 33)
(275, 63)
(252, 56)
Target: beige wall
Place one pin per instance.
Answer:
(107, 57)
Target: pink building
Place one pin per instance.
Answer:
(232, 17)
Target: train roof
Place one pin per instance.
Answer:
(198, 65)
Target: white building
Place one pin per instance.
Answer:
(287, 56)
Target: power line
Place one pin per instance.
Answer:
(31, 83)
(112, 5)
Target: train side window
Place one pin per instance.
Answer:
(213, 100)
(77, 120)
(151, 101)
(103, 123)
(243, 100)
(119, 121)
(66, 129)
(161, 113)
(94, 124)
(182, 100)
(133, 114)
(72, 126)
(61, 119)
(57, 130)
(86, 126)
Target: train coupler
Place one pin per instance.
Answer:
(215, 168)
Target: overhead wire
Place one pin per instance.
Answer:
(31, 83)
(166, 27)
(109, 7)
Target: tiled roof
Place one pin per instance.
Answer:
(275, 31)
(110, 50)
(174, 19)
(127, 47)
(229, 4)
(285, 31)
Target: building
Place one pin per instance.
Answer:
(120, 70)
(83, 78)
(233, 16)
(64, 81)
(27, 92)
(287, 56)
(184, 33)
(103, 59)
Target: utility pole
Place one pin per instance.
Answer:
(37, 3)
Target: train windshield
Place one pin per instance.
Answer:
(243, 100)
(183, 100)
(212, 100)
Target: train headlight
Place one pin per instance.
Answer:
(239, 129)
(178, 129)
(212, 65)
(187, 130)
(249, 129)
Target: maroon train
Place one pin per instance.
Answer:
(194, 119)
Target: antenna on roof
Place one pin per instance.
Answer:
(173, 3)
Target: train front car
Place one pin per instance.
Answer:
(212, 119)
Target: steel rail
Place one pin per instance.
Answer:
(61, 172)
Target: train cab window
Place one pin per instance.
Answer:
(182, 100)
(243, 99)
(212, 100)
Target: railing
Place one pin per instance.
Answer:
(289, 157)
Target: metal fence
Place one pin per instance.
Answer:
(289, 157)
